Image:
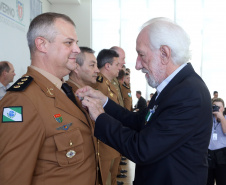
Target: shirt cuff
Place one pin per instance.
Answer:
(105, 102)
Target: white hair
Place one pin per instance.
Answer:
(163, 31)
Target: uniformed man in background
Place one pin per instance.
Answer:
(108, 64)
(45, 138)
(124, 81)
(85, 73)
(116, 83)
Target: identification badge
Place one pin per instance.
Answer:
(214, 136)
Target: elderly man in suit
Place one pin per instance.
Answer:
(168, 141)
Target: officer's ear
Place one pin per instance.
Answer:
(77, 67)
(41, 44)
(165, 54)
(107, 66)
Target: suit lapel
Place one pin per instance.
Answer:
(152, 102)
(187, 70)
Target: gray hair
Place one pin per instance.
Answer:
(163, 31)
(43, 26)
(81, 56)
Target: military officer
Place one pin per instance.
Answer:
(45, 138)
(108, 64)
(117, 85)
(124, 81)
(85, 73)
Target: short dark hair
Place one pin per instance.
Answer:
(81, 57)
(128, 70)
(214, 92)
(105, 56)
(138, 92)
(121, 74)
(218, 100)
(4, 66)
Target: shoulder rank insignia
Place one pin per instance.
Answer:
(99, 79)
(124, 85)
(21, 84)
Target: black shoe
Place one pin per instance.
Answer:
(121, 176)
(123, 163)
(123, 158)
(123, 171)
(120, 183)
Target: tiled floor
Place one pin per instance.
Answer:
(130, 167)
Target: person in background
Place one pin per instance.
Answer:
(215, 95)
(118, 162)
(124, 79)
(108, 64)
(85, 73)
(128, 70)
(151, 95)
(141, 103)
(217, 146)
(45, 137)
(169, 140)
(7, 74)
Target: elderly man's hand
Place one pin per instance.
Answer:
(94, 106)
(90, 92)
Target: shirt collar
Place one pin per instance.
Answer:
(70, 80)
(56, 81)
(168, 79)
(4, 87)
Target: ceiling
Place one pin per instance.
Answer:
(64, 1)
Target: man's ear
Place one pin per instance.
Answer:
(77, 67)
(4, 73)
(165, 53)
(107, 66)
(41, 44)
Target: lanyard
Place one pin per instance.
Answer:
(215, 124)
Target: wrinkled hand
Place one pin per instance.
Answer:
(92, 93)
(94, 106)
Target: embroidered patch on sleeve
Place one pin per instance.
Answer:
(12, 114)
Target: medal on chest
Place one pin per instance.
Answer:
(150, 113)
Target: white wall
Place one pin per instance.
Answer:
(45, 6)
(13, 45)
(13, 29)
(81, 15)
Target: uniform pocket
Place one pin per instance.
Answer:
(69, 147)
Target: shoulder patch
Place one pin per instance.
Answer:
(21, 84)
(124, 85)
(12, 114)
(99, 79)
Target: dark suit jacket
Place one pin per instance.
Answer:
(141, 104)
(171, 149)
